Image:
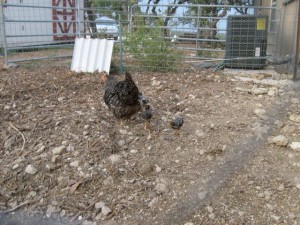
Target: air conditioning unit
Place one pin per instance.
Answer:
(246, 41)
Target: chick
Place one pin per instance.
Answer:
(146, 114)
(177, 123)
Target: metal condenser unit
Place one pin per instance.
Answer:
(246, 41)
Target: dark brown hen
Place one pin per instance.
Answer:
(122, 97)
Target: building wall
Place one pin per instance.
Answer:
(285, 29)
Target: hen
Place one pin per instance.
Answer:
(122, 97)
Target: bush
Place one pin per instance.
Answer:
(151, 50)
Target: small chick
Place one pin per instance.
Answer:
(146, 114)
(177, 123)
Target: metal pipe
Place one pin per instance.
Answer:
(295, 69)
(121, 46)
(3, 33)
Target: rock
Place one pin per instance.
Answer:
(281, 187)
(210, 209)
(115, 158)
(188, 223)
(146, 168)
(259, 91)
(8, 143)
(274, 217)
(260, 112)
(261, 195)
(161, 186)
(295, 146)
(199, 133)
(288, 129)
(16, 166)
(279, 140)
(133, 151)
(121, 143)
(158, 169)
(87, 222)
(74, 163)
(84, 133)
(295, 100)
(298, 186)
(123, 131)
(105, 210)
(58, 150)
(30, 169)
(295, 118)
(41, 149)
(271, 92)
(212, 216)
(202, 195)
(99, 205)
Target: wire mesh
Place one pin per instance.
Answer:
(156, 37)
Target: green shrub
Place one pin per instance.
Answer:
(151, 50)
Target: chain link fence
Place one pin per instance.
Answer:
(152, 37)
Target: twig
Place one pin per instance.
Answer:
(19, 206)
(16, 129)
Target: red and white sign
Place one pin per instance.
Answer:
(64, 24)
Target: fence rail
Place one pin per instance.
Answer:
(186, 32)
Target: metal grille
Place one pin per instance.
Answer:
(246, 38)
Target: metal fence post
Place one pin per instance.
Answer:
(78, 18)
(3, 33)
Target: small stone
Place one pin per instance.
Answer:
(274, 217)
(199, 133)
(202, 195)
(121, 143)
(281, 187)
(133, 151)
(99, 205)
(188, 223)
(58, 150)
(295, 146)
(41, 149)
(298, 186)
(16, 166)
(212, 216)
(123, 132)
(158, 169)
(84, 133)
(261, 195)
(162, 186)
(271, 92)
(269, 206)
(210, 209)
(105, 210)
(259, 91)
(146, 168)
(279, 140)
(295, 118)
(30, 169)
(115, 158)
(60, 99)
(74, 163)
(86, 127)
(259, 112)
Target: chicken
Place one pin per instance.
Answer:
(146, 114)
(122, 97)
(177, 123)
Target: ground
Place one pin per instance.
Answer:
(66, 160)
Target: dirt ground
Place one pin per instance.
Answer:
(66, 160)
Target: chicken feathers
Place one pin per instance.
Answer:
(122, 97)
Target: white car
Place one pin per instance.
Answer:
(108, 27)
